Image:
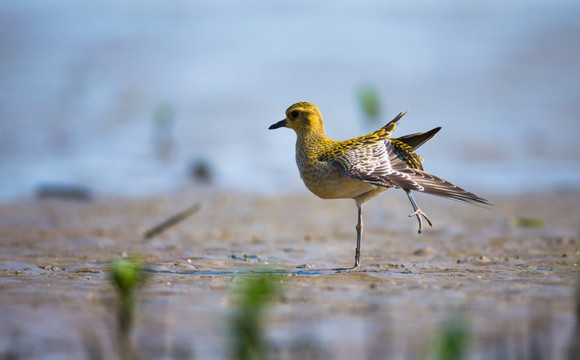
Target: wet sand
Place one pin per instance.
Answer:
(514, 286)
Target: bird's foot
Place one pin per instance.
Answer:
(356, 267)
(418, 213)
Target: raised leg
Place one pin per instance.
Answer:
(418, 212)
(359, 231)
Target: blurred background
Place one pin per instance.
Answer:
(139, 98)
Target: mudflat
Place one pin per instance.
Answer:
(507, 274)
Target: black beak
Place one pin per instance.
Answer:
(279, 124)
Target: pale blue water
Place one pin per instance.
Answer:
(80, 84)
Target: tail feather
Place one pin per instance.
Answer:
(418, 139)
(397, 118)
(393, 123)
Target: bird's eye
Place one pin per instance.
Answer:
(294, 114)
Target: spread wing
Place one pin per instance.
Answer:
(386, 164)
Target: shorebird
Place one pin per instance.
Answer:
(364, 167)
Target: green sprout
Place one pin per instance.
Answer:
(370, 103)
(252, 297)
(127, 277)
(531, 223)
(453, 341)
(164, 115)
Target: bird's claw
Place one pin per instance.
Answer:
(348, 269)
(418, 213)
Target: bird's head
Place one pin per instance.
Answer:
(303, 118)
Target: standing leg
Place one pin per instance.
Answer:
(359, 230)
(418, 212)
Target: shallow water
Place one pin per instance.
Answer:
(122, 98)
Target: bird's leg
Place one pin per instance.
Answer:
(418, 212)
(359, 231)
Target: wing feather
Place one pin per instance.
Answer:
(379, 163)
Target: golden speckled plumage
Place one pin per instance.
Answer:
(363, 167)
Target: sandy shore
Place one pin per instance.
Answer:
(511, 284)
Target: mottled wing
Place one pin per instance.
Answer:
(380, 163)
(376, 163)
(407, 154)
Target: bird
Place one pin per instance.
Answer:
(366, 166)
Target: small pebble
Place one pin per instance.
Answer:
(425, 251)
(50, 267)
(305, 266)
(249, 258)
(201, 171)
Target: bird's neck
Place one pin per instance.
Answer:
(310, 143)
